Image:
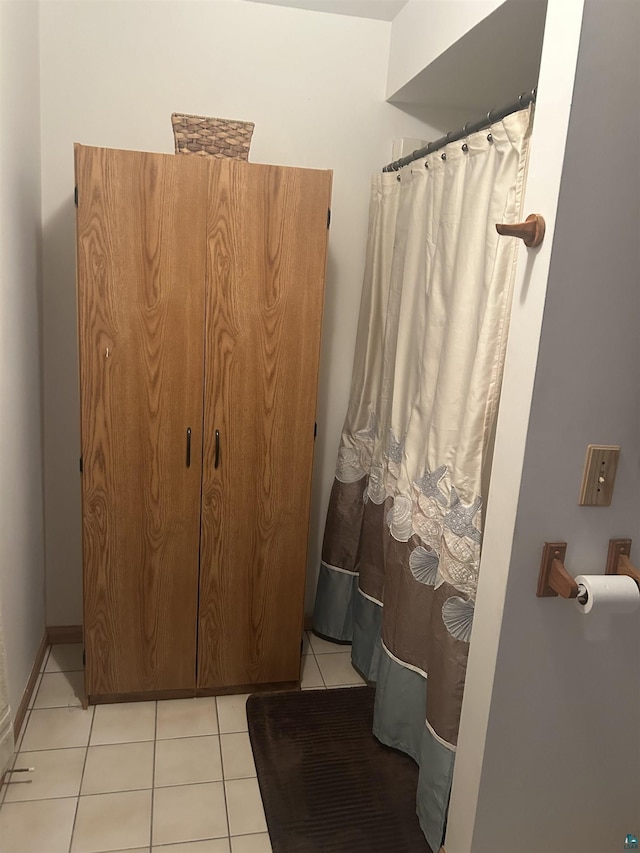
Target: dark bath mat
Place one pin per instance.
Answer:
(327, 784)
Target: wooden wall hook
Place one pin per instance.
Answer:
(618, 561)
(531, 231)
(554, 579)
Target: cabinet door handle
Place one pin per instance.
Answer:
(188, 447)
(217, 459)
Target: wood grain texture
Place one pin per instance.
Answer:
(142, 696)
(21, 711)
(267, 242)
(141, 272)
(190, 693)
(262, 687)
(64, 634)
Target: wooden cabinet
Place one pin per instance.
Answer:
(200, 293)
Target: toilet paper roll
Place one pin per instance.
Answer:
(609, 594)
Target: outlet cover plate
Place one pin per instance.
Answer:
(599, 475)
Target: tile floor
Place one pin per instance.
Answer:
(175, 776)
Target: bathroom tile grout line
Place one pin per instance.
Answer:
(134, 790)
(84, 765)
(18, 744)
(219, 733)
(224, 786)
(324, 683)
(153, 774)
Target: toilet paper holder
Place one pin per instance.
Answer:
(618, 562)
(554, 579)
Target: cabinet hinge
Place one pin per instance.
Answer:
(81, 465)
(328, 216)
(75, 195)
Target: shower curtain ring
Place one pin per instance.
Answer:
(465, 133)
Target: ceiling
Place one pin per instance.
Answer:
(382, 10)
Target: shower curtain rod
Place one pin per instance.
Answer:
(492, 116)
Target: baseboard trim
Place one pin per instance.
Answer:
(267, 687)
(23, 707)
(308, 621)
(64, 634)
(189, 692)
(139, 696)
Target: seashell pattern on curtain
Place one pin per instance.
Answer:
(404, 526)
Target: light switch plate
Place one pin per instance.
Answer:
(599, 475)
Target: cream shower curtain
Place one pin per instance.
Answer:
(6, 727)
(404, 526)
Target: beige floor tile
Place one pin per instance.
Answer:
(306, 646)
(45, 658)
(311, 676)
(212, 845)
(55, 728)
(37, 826)
(21, 733)
(118, 767)
(34, 694)
(232, 713)
(325, 647)
(126, 722)
(338, 671)
(237, 756)
(251, 843)
(189, 813)
(66, 657)
(186, 760)
(244, 804)
(60, 690)
(187, 717)
(112, 822)
(57, 773)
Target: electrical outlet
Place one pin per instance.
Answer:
(599, 475)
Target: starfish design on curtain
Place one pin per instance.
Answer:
(396, 448)
(459, 519)
(371, 432)
(429, 484)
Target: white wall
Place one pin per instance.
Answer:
(111, 75)
(424, 29)
(21, 519)
(556, 768)
(451, 61)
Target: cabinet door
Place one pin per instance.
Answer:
(141, 273)
(267, 239)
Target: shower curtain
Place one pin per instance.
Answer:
(6, 728)
(404, 525)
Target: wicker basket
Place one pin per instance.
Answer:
(212, 137)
